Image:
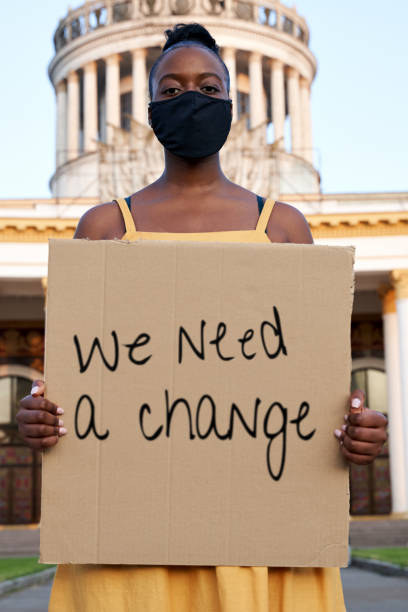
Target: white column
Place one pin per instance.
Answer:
(294, 110)
(278, 102)
(90, 107)
(139, 91)
(400, 282)
(61, 127)
(257, 109)
(229, 58)
(73, 115)
(307, 144)
(394, 405)
(112, 94)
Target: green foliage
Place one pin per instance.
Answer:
(397, 556)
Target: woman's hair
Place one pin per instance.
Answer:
(187, 35)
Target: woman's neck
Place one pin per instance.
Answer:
(192, 176)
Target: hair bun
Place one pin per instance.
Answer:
(190, 31)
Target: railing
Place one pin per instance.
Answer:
(96, 14)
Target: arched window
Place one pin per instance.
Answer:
(19, 465)
(370, 489)
(12, 389)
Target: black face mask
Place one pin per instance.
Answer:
(191, 124)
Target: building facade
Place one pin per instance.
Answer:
(104, 148)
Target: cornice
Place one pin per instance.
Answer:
(358, 224)
(35, 230)
(322, 226)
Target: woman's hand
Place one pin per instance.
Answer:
(363, 436)
(39, 421)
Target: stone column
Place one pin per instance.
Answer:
(400, 282)
(307, 145)
(139, 91)
(90, 107)
(109, 11)
(228, 56)
(278, 102)
(395, 416)
(257, 109)
(294, 110)
(73, 116)
(61, 127)
(136, 12)
(112, 95)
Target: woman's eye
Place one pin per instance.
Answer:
(210, 87)
(170, 90)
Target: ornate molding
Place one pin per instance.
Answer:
(387, 295)
(359, 224)
(322, 226)
(35, 230)
(399, 279)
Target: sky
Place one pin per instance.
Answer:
(359, 96)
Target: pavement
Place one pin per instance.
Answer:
(366, 591)
(363, 592)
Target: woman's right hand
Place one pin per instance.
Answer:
(39, 420)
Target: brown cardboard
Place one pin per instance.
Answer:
(181, 501)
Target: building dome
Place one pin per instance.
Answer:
(103, 53)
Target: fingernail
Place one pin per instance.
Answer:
(60, 422)
(344, 427)
(35, 389)
(337, 433)
(356, 402)
(346, 417)
(60, 410)
(62, 431)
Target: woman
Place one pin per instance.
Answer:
(190, 113)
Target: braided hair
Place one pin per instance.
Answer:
(187, 35)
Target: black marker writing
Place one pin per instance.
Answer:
(91, 424)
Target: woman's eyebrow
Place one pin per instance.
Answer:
(173, 75)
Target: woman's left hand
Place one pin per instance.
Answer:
(364, 434)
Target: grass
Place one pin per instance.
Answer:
(397, 556)
(21, 566)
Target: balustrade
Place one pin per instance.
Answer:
(95, 14)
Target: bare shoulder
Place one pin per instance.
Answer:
(293, 222)
(101, 222)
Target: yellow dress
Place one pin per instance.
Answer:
(127, 588)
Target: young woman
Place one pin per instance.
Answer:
(190, 114)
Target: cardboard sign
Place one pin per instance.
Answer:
(201, 384)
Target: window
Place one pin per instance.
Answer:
(370, 490)
(374, 384)
(12, 389)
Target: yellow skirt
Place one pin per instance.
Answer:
(108, 588)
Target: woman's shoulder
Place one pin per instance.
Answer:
(292, 222)
(100, 222)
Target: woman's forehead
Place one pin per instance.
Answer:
(189, 60)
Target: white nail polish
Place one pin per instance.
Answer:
(61, 423)
(356, 402)
(35, 389)
(337, 433)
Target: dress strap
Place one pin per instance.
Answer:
(265, 215)
(127, 216)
